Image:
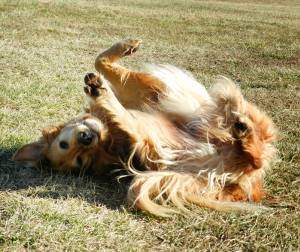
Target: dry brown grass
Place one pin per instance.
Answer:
(46, 47)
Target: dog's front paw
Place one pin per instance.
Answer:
(93, 85)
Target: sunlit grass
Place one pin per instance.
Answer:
(46, 47)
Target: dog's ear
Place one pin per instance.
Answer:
(32, 152)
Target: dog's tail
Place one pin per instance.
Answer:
(164, 193)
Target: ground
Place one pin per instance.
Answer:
(46, 47)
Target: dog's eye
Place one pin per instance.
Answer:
(79, 161)
(63, 145)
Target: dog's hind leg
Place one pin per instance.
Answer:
(133, 89)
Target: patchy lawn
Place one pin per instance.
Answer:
(46, 47)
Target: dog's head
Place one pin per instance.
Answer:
(66, 147)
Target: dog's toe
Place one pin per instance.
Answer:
(92, 91)
(130, 46)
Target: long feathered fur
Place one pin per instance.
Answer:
(197, 175)
(183, 95)
(164, 193)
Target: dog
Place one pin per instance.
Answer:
(183, 144)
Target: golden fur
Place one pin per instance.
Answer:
(184, 144)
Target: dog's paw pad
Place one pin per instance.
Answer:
(92, 79)
(91, 91)
(93, 85)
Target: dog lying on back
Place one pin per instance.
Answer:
(183, 144)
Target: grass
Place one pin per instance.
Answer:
(46, 47)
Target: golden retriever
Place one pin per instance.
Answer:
(185, 145)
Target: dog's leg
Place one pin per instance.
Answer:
(133, 89)
(103, 102)
(128, 136)
(105, 106)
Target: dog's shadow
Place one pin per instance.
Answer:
(105, 190)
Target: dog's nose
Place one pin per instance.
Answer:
(85, 137)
